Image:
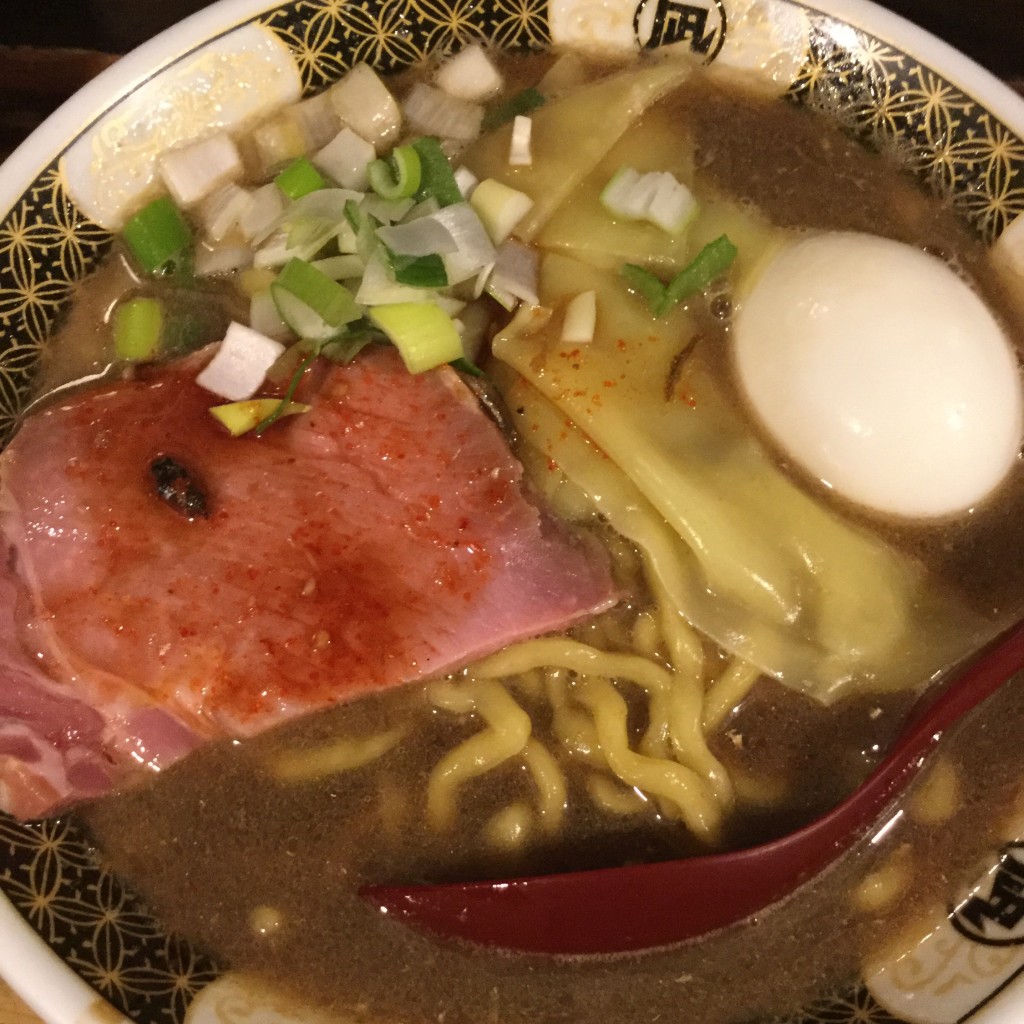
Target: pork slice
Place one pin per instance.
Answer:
(54, 748)
(382, 538)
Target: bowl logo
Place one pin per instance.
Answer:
(701, 23)
(996, 918)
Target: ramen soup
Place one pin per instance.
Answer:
(777, 595)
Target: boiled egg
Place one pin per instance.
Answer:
(880, 371)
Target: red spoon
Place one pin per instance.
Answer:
(616, 910)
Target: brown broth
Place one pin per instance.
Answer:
(216, 838)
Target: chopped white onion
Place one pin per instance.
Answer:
(519, 151)
(656, 197)
(346, 158)
(364, 103)
(275, 251)
(580, 319)
(388, 211)
(466, 180)
(433, 112)
(317, 119)
(221, 211)
(629, 193)
(306, 226)
(325, 206)
(453, 307)
(422, 209)
(475, 250)
(672, 206)
(470, 75)
(258, 220)
(221, 259)
(193, 172)
(240, 364)
(274, 143)
(340, 268)
(506, 300)
(419, 237)
(500, 207)
(264, 317)
(516, 272)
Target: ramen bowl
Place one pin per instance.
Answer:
(78, 944)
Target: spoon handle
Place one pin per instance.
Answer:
(616, 910)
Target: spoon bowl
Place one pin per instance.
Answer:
(626, 909)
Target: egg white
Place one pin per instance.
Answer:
(881, 372)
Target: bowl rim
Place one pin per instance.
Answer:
(32, 968)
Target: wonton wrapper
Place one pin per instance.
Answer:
(775, 577)
(576, 131)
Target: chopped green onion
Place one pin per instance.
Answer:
(419, 271)
(398, 176)
(158, 236)
(437, 179)
(712, 261)
(364, 226)
(341, 267)
(645, 284)
(332, 301)
(241, 417)
(138, 325)
(522, 103)
(347, 346)
(353, 215)
(463, 365)
(282, 406)
(423, 333)
(300, 178)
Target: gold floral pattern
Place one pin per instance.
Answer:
(958, 148)
(45, 247)
(329, 36)
(48, 870)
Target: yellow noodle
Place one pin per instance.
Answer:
(530, 683)
(549, 779)
(674, 701)
(510, 827)
(689, 742)
(506, 734)
(339, 756)
(675, 783)
(726, 692)
(459, 698)
(613, 797)
(573, 729)
(562, 652)
(665, 573)
(646, 636)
